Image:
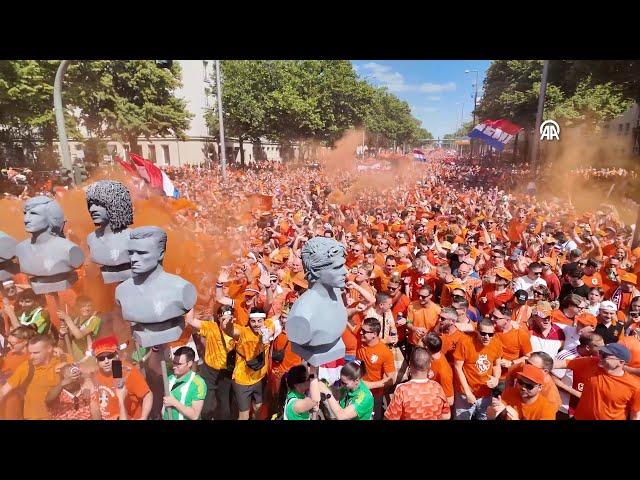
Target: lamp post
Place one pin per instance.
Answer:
(223, 153)
(59, 112)
(536, 132)
(475, 102)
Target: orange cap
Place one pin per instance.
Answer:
(504, 273)
(533, 373)
(586, 319)
(542, 309)
(629, 277)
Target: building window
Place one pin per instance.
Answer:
(619, 129)
(152, 153)
(626, 129)
(167, 157)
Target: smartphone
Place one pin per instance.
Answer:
(116, 368)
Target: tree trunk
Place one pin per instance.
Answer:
(515, 147)
(133, 144)
(240, 142)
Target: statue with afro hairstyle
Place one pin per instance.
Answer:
(111, 209)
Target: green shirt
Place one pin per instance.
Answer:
(361, 398)
(197, 390)
(79, 347)
(289, 412)
(39, 318)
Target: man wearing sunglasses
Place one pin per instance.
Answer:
(422, 316)
(138, 397)
(609, 393)
(525, 401)
(546, 336)
(531, 279)
(477, 364)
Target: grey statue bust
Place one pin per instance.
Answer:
(318, 318)
(48, 258)
(153, 300)
(111, 210)
(8, 268)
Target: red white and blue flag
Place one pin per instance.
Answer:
(496, 133)
(150, 173)
(419, 155)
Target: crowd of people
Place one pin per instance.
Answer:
(466, 299)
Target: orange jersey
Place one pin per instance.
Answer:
(378, 360)
(442, 373)
(604, 396)
(540, 409)
(478, 364)
(423, 317)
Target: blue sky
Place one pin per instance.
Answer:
(436, 90)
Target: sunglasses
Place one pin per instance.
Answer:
(109, 356)
(634, 314)
(537, 273)
(486, 334)
(527, 385)
(393, 288)
(424, 296)
(364, 332)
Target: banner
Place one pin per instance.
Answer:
(496, 133)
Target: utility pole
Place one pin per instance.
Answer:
(475, 103)
(536, 132)
(223, 153)
(59, 112)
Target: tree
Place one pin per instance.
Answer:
(391, 118)
(125, 100)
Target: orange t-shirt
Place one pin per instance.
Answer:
(558, 317)
(604, 396)
(540, 409)
(594, 280)
(633, 344)
(478, 364)
(424, 317)
(401, 306)
(515, 344)
(290, 359)
(137, 389)
(378, 360)
(549, 388)
(45, 377)
(442, 373)
(450, 342)
(11, 404)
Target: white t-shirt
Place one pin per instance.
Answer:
(526, 284)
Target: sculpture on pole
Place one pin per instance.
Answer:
(48, 257)
(153, 300)
(318, 318)
(111, 209)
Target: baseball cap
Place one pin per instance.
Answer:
(542, 309)
(550, 240)
(629, 277)
(533, 373)
(105, 345)
(521, 296)
(548, 261)
(504, 273)
(586, 319)
(445, 245)
(617, 350)
(608, 305)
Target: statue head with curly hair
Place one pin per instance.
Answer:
(323, 260)
(109, 203)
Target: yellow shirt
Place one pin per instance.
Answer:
(250, 345)
(215, 355)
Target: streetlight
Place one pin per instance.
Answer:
(536, 132)
(223, 153)
(475, 101)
